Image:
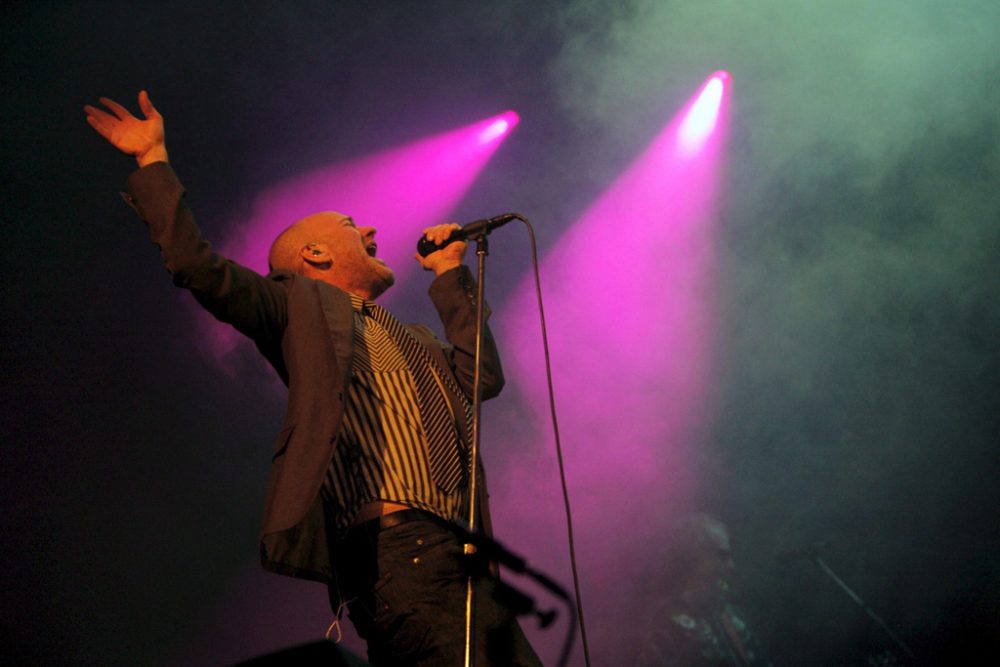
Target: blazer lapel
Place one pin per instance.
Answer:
(340, 321)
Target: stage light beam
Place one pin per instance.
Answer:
(631, 327)
(499, 127)
(399, 190)
(701, 118)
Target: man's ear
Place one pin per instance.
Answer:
(316, 255)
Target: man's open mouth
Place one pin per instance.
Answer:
(372, 249)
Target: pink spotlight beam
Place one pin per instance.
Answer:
(400, 191)
(631, 329)
(499, 127)
(703, 114)
(631, 325)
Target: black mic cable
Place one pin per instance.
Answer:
(558, 442)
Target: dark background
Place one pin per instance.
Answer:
(856, 398)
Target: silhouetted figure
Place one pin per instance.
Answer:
(696, 623)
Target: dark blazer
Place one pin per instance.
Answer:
(304, 329)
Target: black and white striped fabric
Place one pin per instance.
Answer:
(383, 452)
(444, 447)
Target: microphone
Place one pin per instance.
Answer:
(471, 230)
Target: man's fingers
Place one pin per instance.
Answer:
(97, 114)
(147, 105)
(117, 109)
(440, 233)
(99, 120)
(90, 111)
(98, 125)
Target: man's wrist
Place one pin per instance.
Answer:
(154, 154)
(441, 269)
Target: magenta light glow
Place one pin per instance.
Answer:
(629, 299)
(500, 127)
(399, 191)
(700, 119)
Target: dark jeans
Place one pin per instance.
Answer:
(406, 587)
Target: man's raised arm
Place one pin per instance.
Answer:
(234, 294)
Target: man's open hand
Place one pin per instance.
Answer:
(143, 139)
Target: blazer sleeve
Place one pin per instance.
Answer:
(454, 296)
(253, 304)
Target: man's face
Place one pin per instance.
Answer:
(352, 249)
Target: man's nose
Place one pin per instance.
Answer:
(367, 232)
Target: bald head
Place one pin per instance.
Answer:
(286, 250)
(328, 246)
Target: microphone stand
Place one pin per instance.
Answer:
(489, 550)
(828, 571)
(482, 250)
